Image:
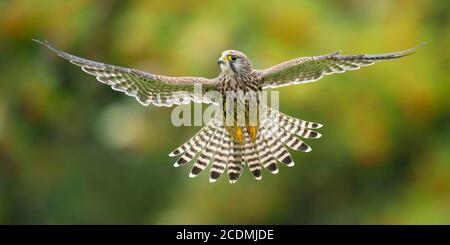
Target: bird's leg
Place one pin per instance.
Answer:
(253, 132)
(236, 133)
(239, 135)
(252, 127)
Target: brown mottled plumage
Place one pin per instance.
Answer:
(259, 143)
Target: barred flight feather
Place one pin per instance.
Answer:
(310, 69)
(143, 85)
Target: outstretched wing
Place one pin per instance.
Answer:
(146, 87)
(310, 69)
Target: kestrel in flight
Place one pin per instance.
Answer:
(231, 146)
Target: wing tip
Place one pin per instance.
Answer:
(44, 43)
(411, 50)
(39, 41)
(395, 55)
(60, 53)
(421, 45)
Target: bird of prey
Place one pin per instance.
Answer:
(229, 147)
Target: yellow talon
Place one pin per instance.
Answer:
(252, 130)
(238, 135)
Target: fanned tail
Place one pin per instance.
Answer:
(214, 145)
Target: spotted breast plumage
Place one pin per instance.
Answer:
(223, 142)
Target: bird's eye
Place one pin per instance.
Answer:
(232, 57)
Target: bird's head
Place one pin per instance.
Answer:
(235, 62)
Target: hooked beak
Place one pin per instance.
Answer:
(221, 60)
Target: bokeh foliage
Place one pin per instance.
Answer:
(74, 151)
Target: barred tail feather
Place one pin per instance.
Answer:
(207, 154)
(251, 157)
(235, 166)
(265, 153)
(221, 157)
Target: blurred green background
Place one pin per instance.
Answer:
(72, 151)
